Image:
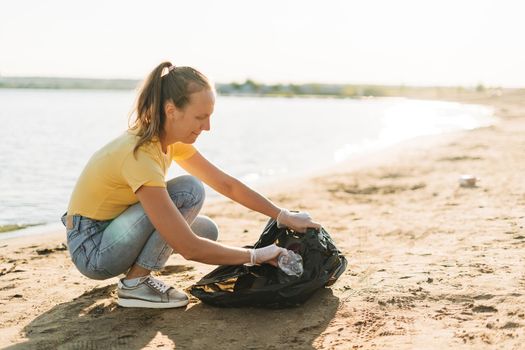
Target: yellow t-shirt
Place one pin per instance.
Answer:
(111, 177)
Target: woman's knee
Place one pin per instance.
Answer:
(187, 184)
(205, 227)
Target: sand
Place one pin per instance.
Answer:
(431, 265)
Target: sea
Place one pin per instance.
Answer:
(49, 135)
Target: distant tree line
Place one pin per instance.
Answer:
(249, 87)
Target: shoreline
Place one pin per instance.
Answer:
(431, 265)
(273, 187)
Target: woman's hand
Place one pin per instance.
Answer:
(296, 221)
(268, 254)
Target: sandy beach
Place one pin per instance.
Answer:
(431, 265)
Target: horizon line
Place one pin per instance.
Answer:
(424, 85)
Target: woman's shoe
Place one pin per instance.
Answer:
(150, 293)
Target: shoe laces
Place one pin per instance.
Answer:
(158, 284)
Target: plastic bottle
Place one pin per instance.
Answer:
(291, 263)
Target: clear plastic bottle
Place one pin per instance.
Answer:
(291, 263)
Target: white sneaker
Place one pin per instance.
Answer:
(150, 293)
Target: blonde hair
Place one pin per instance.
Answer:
(176, 85)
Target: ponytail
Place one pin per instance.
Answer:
(176, 85)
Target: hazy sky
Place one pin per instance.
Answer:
(442, 42)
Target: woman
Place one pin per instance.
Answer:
(123, 217)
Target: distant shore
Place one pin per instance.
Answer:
(253, 88)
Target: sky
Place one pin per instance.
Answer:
(411, 42)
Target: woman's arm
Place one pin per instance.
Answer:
(174, 229)
(232, 188)
(228, 186)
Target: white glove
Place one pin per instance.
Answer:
(296, 221)
(265, 254)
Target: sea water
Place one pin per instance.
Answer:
(48, 136)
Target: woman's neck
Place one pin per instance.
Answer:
(164, 143)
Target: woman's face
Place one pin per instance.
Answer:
(185, 125)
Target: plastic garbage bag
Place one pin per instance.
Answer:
(268, 286)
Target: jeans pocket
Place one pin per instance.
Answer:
(77, 237)
(81, 260)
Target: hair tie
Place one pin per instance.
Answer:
(167, 70)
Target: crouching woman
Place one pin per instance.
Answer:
(125, 218)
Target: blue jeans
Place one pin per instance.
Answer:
(101, 249)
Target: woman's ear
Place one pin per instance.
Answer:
(172, 112)
(169, 109)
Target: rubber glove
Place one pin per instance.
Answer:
(297, 221)
(268, 254)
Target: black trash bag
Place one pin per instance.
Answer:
(268, 286)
